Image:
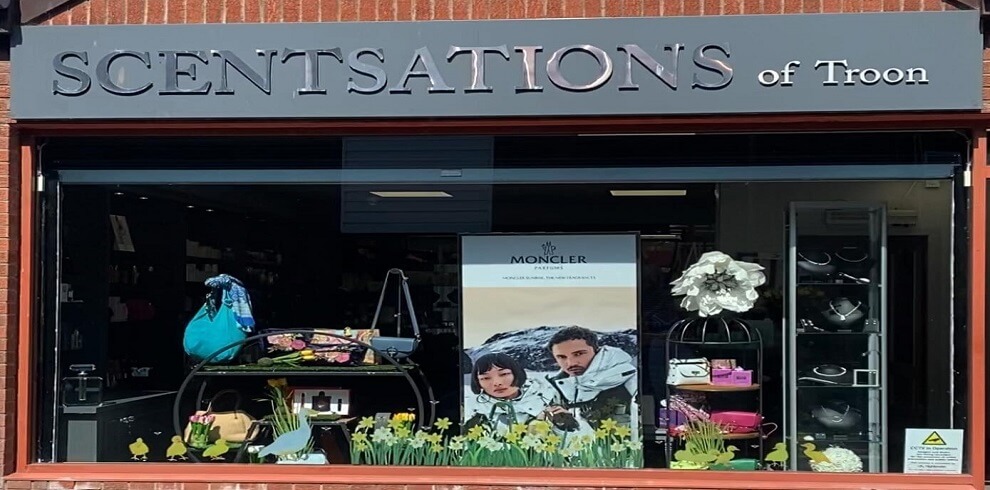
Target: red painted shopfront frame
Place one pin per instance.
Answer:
(25, 134)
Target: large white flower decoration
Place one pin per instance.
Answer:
(716, 282)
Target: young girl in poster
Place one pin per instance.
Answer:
(497, 380)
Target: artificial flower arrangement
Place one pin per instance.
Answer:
(532, 444)
(717, 283)
(282, 418)
(704, 447)
(199, 430)
(291, 359)
(320, 346)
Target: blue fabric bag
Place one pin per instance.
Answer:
(213, 327)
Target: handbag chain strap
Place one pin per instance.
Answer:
(404, 281)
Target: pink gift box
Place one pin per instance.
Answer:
(732, 377)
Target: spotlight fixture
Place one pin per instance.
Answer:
(648, 192)
(410, 194)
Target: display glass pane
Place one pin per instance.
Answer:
(614, 321)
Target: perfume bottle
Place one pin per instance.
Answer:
(82, 389)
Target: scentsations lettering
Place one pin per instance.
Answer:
(192, 72)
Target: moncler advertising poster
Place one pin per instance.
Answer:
(550, 335)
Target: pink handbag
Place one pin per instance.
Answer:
(737, 422)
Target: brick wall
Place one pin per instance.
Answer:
(210, 11)
(9, 199)
(97, 12)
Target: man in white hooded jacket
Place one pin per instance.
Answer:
(595, 382)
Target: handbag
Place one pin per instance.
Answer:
(213, 327)
(397, 347)
(233, 426)
(688, 372)
(737, 422)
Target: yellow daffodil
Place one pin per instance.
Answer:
(541, 427)
(601, 433)
(518, 428)
(609, 424)
(402, 432)
(308, 358)
(436, 448)
(366, 423)
(395, 423)
(306, 352)
(359, 437)
(475, 433)
(553, 440)
(434, 438)
(512, 437)
(360, 446)
(443, 423)
(623, 431)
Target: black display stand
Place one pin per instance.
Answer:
(719, 337)
(204, 372)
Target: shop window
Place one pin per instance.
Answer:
(550, 331)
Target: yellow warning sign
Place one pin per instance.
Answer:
(933, 440)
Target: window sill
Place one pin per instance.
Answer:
(428, 476)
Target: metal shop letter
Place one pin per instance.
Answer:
(430, 71)
(634, 52)
(107, 82)
(377, 73)
(604, 68)
(231, 59)
(478, 64)
(172, 72)
(529, 68)
(311, 66)
(58, 63)
(713, 65)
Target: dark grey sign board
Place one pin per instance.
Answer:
(567, 67)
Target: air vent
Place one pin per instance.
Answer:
(846, 217)
(855, 217)
(902, 217)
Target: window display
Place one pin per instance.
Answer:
(734, 326)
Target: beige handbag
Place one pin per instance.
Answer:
(232, 426)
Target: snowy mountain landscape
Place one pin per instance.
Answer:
(529, 346)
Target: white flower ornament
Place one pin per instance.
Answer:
(716, 282)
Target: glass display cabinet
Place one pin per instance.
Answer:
(836, 320)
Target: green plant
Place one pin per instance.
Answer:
(282, 418)
(704, 441)
(707, 437)
(535, 444)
